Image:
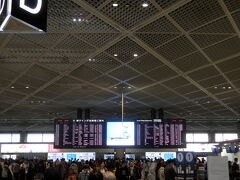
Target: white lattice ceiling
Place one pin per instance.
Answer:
(187, 61)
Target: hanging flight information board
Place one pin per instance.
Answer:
(158, 133)
(78, 133)
(155, 133)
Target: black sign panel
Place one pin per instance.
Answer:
(156, 134)
(78, 133)
(33, 12)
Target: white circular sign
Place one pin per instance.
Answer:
(180, 157)
(2, 3)
(189, 157)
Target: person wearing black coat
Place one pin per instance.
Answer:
(122, 173)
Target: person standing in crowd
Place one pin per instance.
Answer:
(109, 176)
(51, 173)
(74, 167)
(169, 171)
(30, 173)
(230, 170)
(235, 170)
(122, 173)
(15, 169)
(5, 172)
(110, 165)
(102, 167)
(95, 175)
(24, 169)
(200, 171)
(160, 171)
(84, 174)
(21, 171)
(139, 167)
(133, 171)
(39, 169)
(72, 175)
(152, 167)
(145, 169)
(60, 169)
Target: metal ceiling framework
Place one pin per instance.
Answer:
(188, 62)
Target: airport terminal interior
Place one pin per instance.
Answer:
(143, 81)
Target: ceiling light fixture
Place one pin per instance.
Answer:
(79, 19)
(229, 87)
(224, 87)
(74, 19)
(135, 55)
(129, 87)
(27, 87)
(12, 87)
(208, 102)
(115, 4)
(89, 60)
(115, 55)
(215, 87)
(115, 87)
(145, 5)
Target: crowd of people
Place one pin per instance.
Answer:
(110, 169)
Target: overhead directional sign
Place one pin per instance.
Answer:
(20, 15)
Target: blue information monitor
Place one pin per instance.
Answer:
(71, 156)
(168, 156)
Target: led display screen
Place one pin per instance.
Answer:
(120, 134)
(78, 133)
(157, 133)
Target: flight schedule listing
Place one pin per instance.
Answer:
(155, 133)
(78, 133)
(152, 133)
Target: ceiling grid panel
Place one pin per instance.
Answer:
(229, 16)
(178, 71)
(87, 57)
(202, 52)
(184, 28)
(98, 51)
